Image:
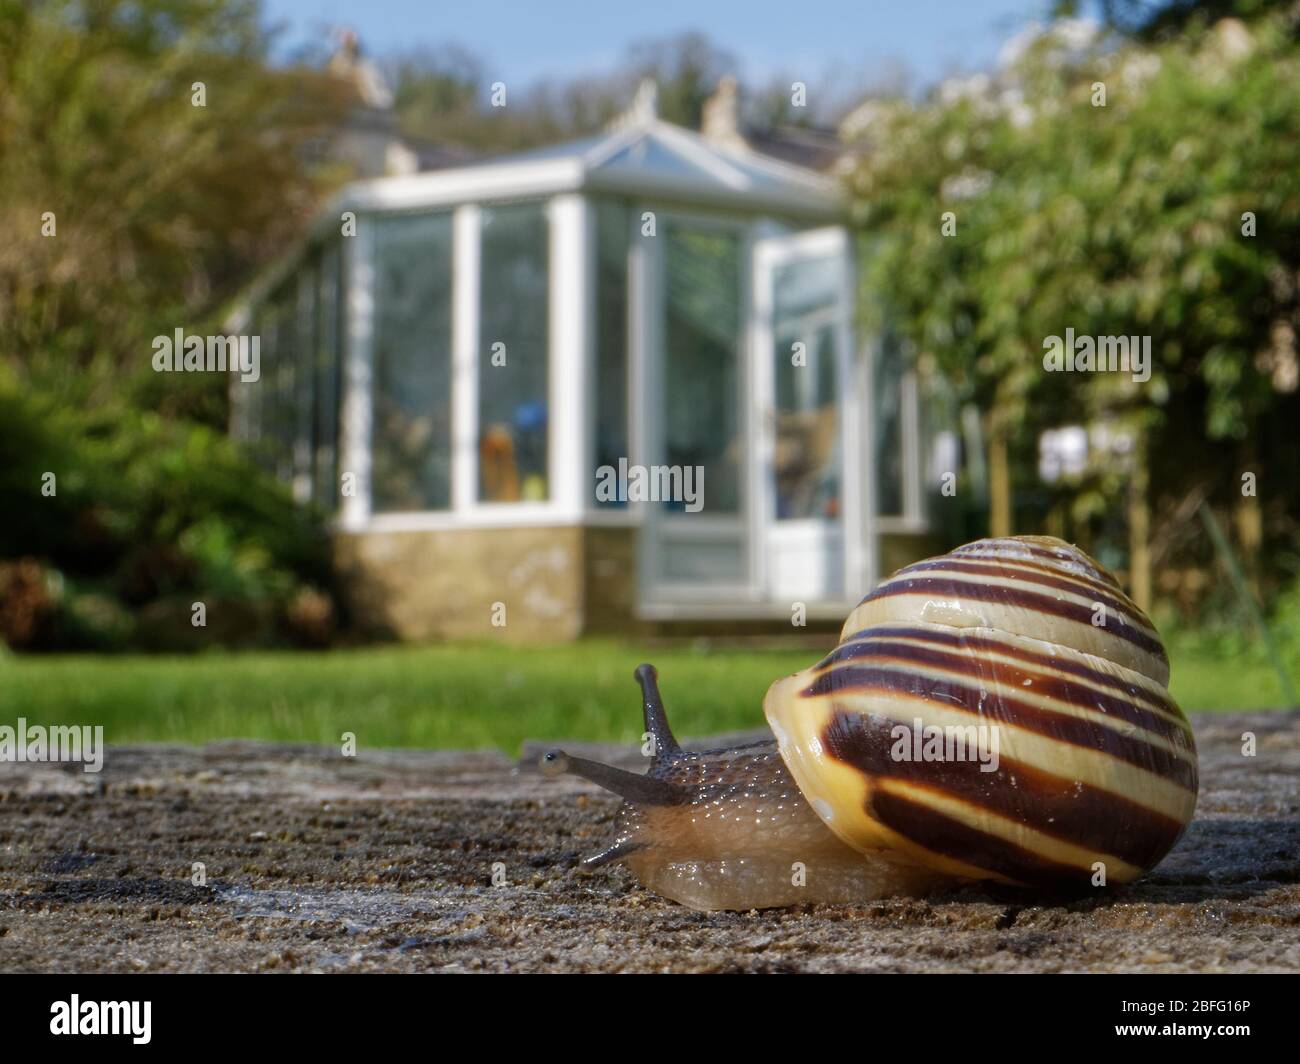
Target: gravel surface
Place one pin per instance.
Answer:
(386, 861)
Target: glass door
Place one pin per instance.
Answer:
(693, 540)
(803, 384)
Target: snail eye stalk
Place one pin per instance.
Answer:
(643, 790)
(612, 853)
(656, 717)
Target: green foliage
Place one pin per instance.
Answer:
(129, 211)
(1117, 220)
(1165, 18)
(433, 89)
(1228, 635)
(147, 510)
(159, 207)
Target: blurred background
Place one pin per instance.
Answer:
(813, 253)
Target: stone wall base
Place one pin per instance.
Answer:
(524, 584)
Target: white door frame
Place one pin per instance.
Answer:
(659, 531)
(770, 253)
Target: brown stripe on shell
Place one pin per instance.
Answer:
(1014, 712)
(964, 640)
(1041, 565)
(1064, 557)
(939, 833)
(1013, 677)
(1120, 606)
(1084, 816)
(1028, 600)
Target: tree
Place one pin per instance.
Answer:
(149, 158)
(1164, 21)
(1116, 189)
(687, 69)
(444, 95)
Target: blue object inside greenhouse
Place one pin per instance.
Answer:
(530, 417)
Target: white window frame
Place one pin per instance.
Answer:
(570, 283)
(304, 379)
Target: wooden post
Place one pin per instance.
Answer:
(1248, 521)
(1056, 521)
(1139, 530)
(999, 484)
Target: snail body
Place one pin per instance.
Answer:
(998, 713)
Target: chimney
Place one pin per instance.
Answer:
(720, 118)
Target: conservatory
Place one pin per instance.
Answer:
(457, 365)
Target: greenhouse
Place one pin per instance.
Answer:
(456, 360)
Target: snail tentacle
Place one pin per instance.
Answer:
(656, 717)
(615, 852)
(644, 790)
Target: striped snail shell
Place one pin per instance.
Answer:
(997, 713)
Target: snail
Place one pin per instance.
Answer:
(998, 713)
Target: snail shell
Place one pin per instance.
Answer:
(1031, 639)
(997, 713)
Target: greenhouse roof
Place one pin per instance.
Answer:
(644, 156)
(640, 156)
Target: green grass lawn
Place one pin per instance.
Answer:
(452, 695)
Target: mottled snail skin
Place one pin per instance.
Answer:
(1025, 635)
(721, 829)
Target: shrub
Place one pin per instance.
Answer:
(143, 517)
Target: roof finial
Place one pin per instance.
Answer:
(645, 105)
(644, 110)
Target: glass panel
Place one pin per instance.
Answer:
(940, 439)
(280, 414)
(254, 394)
(328, 367)
(701, 407)
(304, 396)
(807, 451)
(697, 562)
(887, 419)
(612, 234)
(411, 448)
(513, 375)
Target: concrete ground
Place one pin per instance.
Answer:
(385, 862)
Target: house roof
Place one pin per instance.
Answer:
(809, 146)
(643, 156)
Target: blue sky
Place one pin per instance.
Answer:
(525, 40)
